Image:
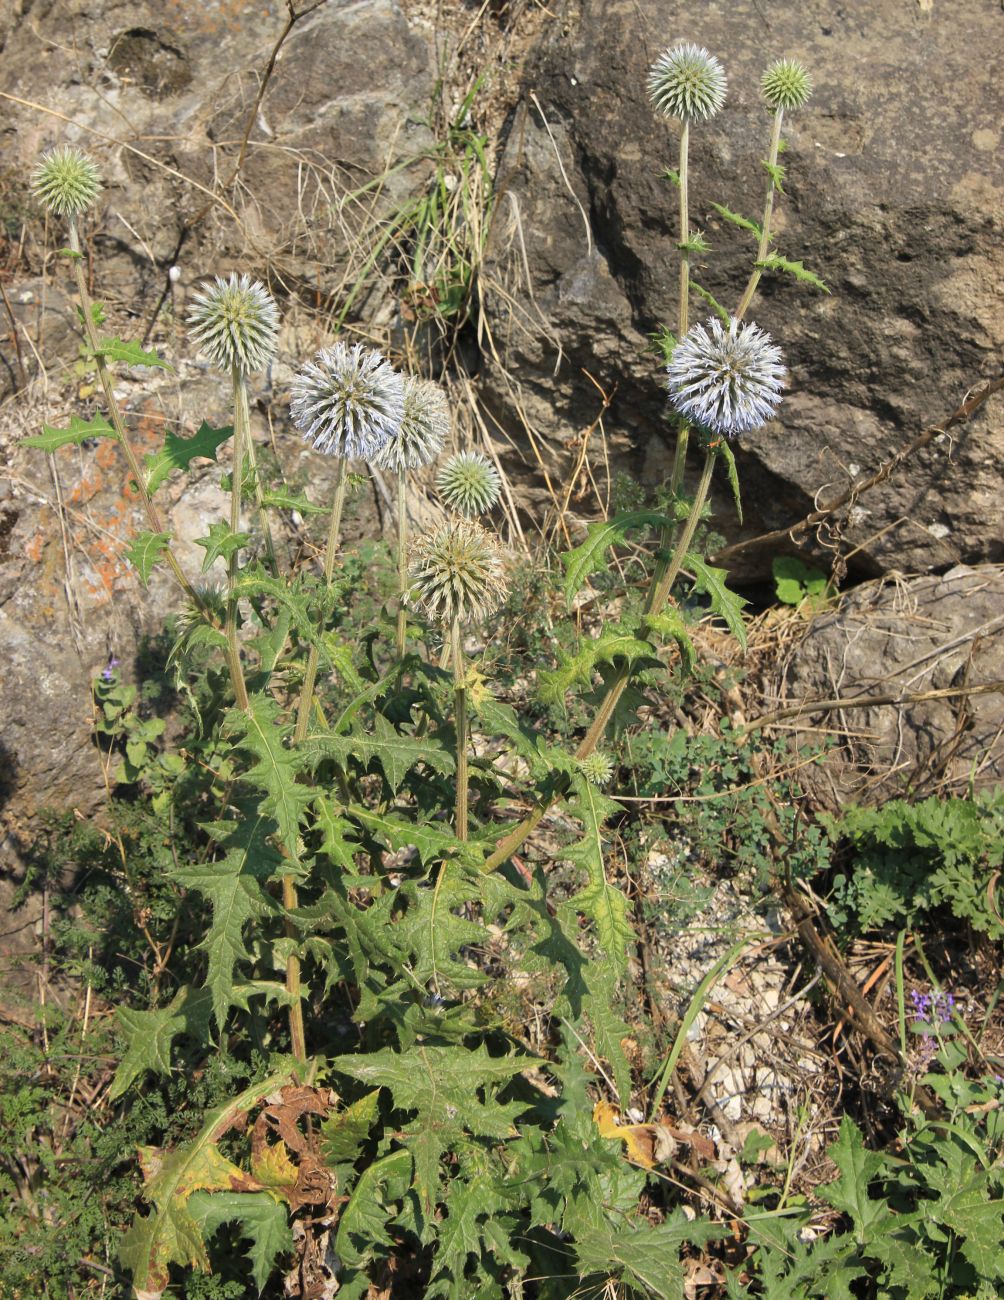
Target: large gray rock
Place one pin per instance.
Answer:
(894, 195)
(901, 638)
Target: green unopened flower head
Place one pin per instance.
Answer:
(423, 429)
(235, 323)
(786, 84)
(597, 768)
(457, 573)
(65, 181)
(687, 82)
(469, 483)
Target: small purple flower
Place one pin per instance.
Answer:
(932, 1009)
(108, 672)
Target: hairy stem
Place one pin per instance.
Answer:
(683, 307)
(241, 397)
(331, 550)
(402, 559)
(114, 414)
(236, 485)
(768, 208)
(460, 713)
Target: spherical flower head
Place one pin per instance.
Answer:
(457, 573)
(727, 379)
(597, 768)
(469, 483)
(786, 84)
(420, 436)
(235, 323)
(65, 181)
(348, 401)
(687, 82)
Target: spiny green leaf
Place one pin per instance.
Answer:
(265, 1224)
(145, 550)
(775, 262)
(608, 1028)
(776, 173)
(178, 453)
(150, 1034)
(744, 223)
(670, 174)
(612, 643)
(362, 1224)
(431, 842)
(720, 311)
(79, 431)
(131, 353)
(587, 558)
(170, 1234)
(282, 499)
(396, 753)
(345, 1131)
(696, 243)
(725, 603)
(221, 543)
(602, 902)
(276, 768)
(671, 624)
(234, 887)
(642, 1256)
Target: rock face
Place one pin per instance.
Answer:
(896, 637)
(894, 194)
(162, 95)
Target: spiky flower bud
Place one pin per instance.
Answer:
(687, 82)
(423, 429)
(457, 573)
(65, 181)
(728, 380)
(597, 768)
(786, 84)
(348, 401)
(469, 483)
(235, 323)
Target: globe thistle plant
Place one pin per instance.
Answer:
(786, 84)
(65, 181)
(424, 425)
(727, 380)
(457, 573)
(469, 483)
(235, 323)
(687, 82)
(348, 401)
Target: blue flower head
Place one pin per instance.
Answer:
(726, 379)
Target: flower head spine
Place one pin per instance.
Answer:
(65, 181)
(687, 82)
(457, 573)
(786, 84)
(469, 483)
(423, 429)
(728, 380)
(348, 401)
(235, 323)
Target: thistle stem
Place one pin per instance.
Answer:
(460, 713)
(683, 308)
(402, 559)
(241, 399)
(114, 414)
(236, 485)
(331, 549)
(768, 209)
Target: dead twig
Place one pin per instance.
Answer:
(868, 701)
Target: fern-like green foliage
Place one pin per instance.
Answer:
(936, 856)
